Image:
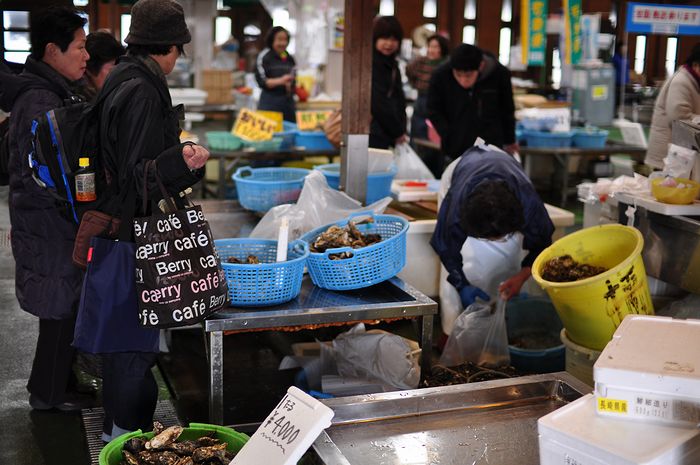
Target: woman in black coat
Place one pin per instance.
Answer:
(388, 126)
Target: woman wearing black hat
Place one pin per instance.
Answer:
(275, 73)
(388, 126)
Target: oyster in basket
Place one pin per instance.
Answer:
(348, 236)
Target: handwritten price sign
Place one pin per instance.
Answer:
(252, 126)
(288, 432)
(311, 120)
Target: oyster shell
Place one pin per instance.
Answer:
(168, 436)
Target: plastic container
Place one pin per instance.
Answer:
(270, 145)
(260, 189)
(111, 454)
(378, 184)
(579, 359)
(649, 371)
(223, 140)
(313, 140)
(288, 135)
(592, 309)
(675, 195)
(534, 320)
(269, 283)
(590, 138)
(575, 435)
(538, 139)
(368, 265)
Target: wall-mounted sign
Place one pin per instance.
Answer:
(646, 18)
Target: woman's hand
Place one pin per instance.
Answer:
(401, 140)
(195, 156)
(511, 287)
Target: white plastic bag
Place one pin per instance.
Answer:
(409, 164)
(679, 161)
(379, 356)
(318, 205)
(479, 336)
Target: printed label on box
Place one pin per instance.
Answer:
(612, 405)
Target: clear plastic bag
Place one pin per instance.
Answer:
(318, 205)
(409, 164)
(479, 336)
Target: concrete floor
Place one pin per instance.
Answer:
(28, 437)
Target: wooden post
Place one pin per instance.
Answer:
(357, 93)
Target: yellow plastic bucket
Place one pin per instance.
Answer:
(591, 309)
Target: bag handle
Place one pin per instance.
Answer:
(151, 165)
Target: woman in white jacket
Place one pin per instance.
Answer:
(679, 99)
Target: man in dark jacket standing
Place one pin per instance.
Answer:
(47, 283)
(471, 96)
(139, 124)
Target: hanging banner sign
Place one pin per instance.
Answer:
(533, 30)
(572, 31)
(252, 126)
(646, 18)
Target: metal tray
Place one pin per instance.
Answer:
(493, 422)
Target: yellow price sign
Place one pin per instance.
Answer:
(612, 405)
(252, 126)
(312, 120)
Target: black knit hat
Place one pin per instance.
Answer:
(157, 22)
(466, 58)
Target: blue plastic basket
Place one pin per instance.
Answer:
(260, 189)
(313, 140)
(590, 138)
(547, 139)
(378, 184)
(288, 135)
(369, 265)
(269, 283)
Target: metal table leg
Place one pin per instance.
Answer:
(216, 377)
(565, 181)
(426, 344)
(222, 177)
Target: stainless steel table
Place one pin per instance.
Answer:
(392, 299)
(562, 155)
(478, 423)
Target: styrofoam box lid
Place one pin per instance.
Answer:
(577, 426)
(653, 353)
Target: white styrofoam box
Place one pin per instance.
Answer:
(422, 269)
(650, 370)
(560, 218)
(575, 435)
(188, 96)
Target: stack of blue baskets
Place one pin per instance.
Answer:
(269, 283)
(260, 189)
(368, 265)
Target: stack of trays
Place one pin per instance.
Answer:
(646, 405)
